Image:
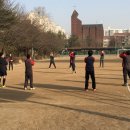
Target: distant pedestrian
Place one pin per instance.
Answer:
(126, 66)
(28, 72)
(3, 70)
(89, 60)
(102, 58)
(72, 62)
(52, 60)
(10, 62)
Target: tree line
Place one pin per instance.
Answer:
(19, 35)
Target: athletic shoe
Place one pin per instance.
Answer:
(25, 88)
(3, 86)
(32, 88)
(85, 90)
(94, 89)
(126, 84)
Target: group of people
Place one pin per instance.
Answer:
(89, 69)
(29, 71)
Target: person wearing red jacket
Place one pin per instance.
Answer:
(126, 66)
(72, 61)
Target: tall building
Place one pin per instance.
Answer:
(90, 35)
(45, 22)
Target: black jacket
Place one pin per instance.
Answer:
(3, 64)
(28, 66)
(89, 63)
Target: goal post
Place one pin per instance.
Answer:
(119, 51)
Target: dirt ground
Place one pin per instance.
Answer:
(59, 102)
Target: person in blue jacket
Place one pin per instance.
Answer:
(89, 70)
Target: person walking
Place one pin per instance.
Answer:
(89, 60)
(10, 62)
(102, 58)
(52, 61)
(126, 66)
(3, 70)
(28, 72)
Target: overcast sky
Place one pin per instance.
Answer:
(112, 13)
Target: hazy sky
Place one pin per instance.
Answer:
(112, 13)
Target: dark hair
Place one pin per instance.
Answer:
(28, 56)
(90, 52)
(1, 53)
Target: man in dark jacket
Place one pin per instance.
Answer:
(3, 69)
(126, 66)
(90, 70)
(52, 61)
(28, 72)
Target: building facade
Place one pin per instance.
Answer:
(45, 23)
(90, 35)
(116, 37)
(111, 31)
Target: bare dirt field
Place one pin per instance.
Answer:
(59, 102)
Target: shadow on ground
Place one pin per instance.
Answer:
(11, 95)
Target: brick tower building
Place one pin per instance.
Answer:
(90, 35)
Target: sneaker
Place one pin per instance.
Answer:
(94, 90)
(125, 84)
(25, 88)
(32, 88)
(85, 90)
(3, 86)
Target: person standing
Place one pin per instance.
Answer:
(28, 72)
(70, 54)
(102, 58)
(72, 61)
(126, 66)
(3, 69)
(52, 61)
(10, 62)
(89, 60)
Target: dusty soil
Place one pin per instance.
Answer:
(59, 102)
